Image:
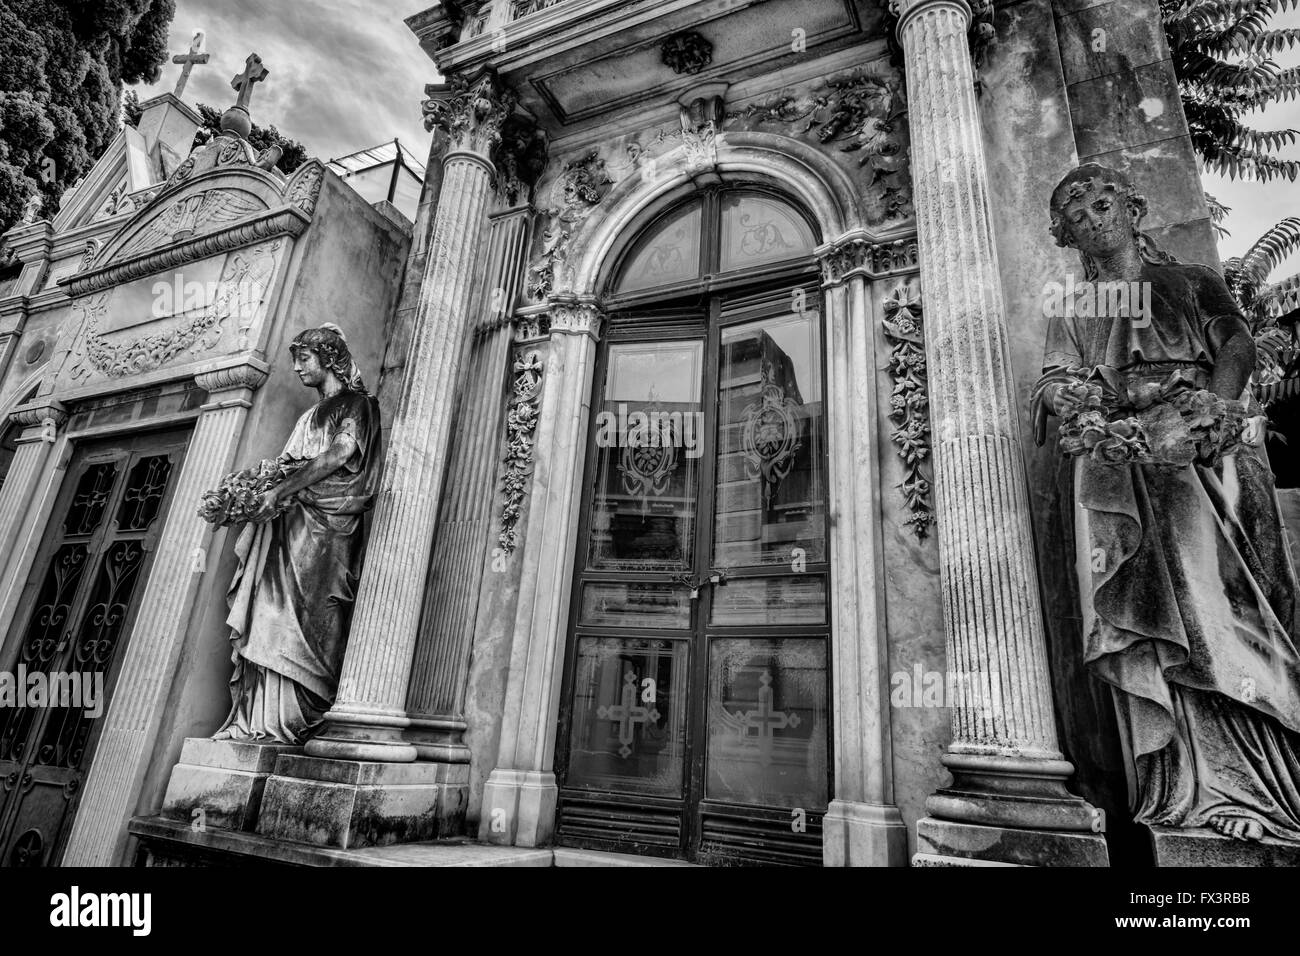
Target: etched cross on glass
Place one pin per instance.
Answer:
(254, 72)
(628, 714)
(187, 61)
(765, 720)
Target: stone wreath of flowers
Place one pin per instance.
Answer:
(234, 501)
(1112, 421)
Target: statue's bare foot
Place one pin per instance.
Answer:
(1238, 828)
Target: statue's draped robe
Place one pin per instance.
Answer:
(291, 597)
(1187, 590)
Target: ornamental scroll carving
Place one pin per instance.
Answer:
(471, 114)
(521, 424)
(239, 294)
(581, 185)
(909, 403)
(864, 112)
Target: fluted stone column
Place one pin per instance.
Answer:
(466, 536)
(369, 714)
(1007, 765)
(520, 796)
(157, 637)
(43, 421)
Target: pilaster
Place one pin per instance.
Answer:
(520, 796)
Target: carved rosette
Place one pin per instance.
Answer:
(686, 52)
(909, 404)
(470, 113)
(521, 424)
(871, 259)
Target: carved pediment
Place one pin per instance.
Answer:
(218, 204)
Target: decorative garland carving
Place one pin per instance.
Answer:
(581, 185)
(861, 111)
(521, 423)
(909, 404)
(201, 333)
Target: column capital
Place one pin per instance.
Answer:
(571, 316)
(855, 253)
(247, 373)
(907, 10)
(39, 412)
(470, 112)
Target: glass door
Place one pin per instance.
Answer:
(696, 720)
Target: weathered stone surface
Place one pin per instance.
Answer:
(168, 843)
(219, 783)
(945, 843)
(1201, 847)
(353, 803)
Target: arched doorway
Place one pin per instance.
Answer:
(695, 714)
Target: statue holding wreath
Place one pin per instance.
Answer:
(1187, 590)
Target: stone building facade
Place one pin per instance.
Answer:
(814, 613)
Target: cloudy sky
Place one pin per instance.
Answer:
(344, 74)
(348, 74)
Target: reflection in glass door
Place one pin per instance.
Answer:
(696, 719)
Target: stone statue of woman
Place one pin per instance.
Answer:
(299, 560)
(1187, 590)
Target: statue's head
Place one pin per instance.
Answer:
(321, 352)
(1098, 211)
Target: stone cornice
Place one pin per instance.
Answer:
(39, 412)
(289, 221)
(857, 254)
(243, 372)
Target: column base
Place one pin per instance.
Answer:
(863, 834)
(519, 808)
(441, 739)
(351, 804)
(1203, 847)
(947, 843)
(363, 735)
(219, 783)
(1016, 792)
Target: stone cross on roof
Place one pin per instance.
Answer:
(254, 72)
(189, 59)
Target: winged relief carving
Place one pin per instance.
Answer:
(202, 212)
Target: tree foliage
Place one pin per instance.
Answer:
(262, 137)
(62, 66)
(1222, 55)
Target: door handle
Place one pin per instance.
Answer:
(714, 577)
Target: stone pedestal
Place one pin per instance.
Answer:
(1008, 770)
(219, 783)
(349, 804)
(1202, 847)
(952, 843)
